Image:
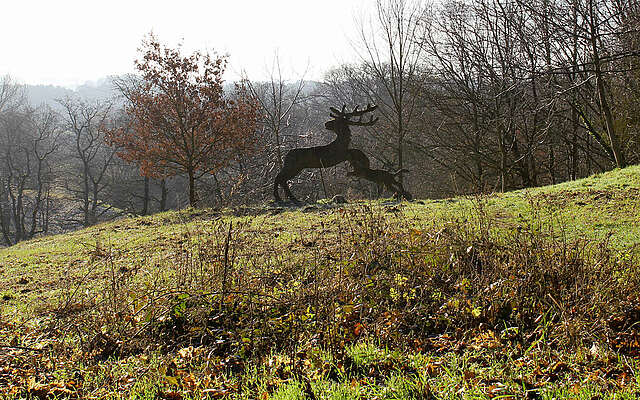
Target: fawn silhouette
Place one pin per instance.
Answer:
(360, 164)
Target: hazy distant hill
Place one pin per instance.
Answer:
(102, 89)
(49, 94)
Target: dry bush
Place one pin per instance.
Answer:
(374, 273)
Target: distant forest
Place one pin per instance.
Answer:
(48, 95)
(473, 96)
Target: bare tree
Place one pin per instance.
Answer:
(28, 139)
(85, 122)
(11, 94)
(522, 92)
(598, 28)
(592, 59)
(390, 56)
(277, 98)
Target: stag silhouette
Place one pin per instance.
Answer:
(322, 156)
(360, 164)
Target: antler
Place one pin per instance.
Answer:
(355, 113)
(359, 122)
(338, 114)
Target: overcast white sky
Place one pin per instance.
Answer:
(69, 42)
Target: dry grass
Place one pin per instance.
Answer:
(366, 300)
(383, 279)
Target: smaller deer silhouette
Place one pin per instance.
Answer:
(360, 164)
(322, 156)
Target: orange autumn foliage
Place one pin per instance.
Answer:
(181, 121)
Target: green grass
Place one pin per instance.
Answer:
(594, 207)
(528, 293)
(603, 205)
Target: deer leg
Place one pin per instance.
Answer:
(285, 186)
(399, 190)
(287, 191)
(392, 188)
(281, 180)
(406, 194)
(391, 184)
(275, 191)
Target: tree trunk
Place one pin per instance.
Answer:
(38, 200)
(573, 173)
(477, 150)
(85, 196)
(163, 195)
(618, 153)
(145, 197)
(503, 163)
(192, 189)
(4, 218)
(46, 216)
(400, 154)
(94, 205)
(552, 165)
(17, 215)
(276, 132)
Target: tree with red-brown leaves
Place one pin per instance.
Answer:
(181, 121)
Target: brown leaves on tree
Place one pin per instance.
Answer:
(181, 121)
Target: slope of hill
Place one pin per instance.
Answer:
(530, 293)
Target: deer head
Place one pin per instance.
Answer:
(342, 119)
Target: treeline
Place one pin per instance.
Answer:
(56, 170)
(477, 95)
(532, 92)
(473, 96)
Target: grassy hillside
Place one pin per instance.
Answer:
(531, 293)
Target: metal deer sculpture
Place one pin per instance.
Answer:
(360, 164)
(322, 156)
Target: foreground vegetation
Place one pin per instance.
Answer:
(530, 294)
